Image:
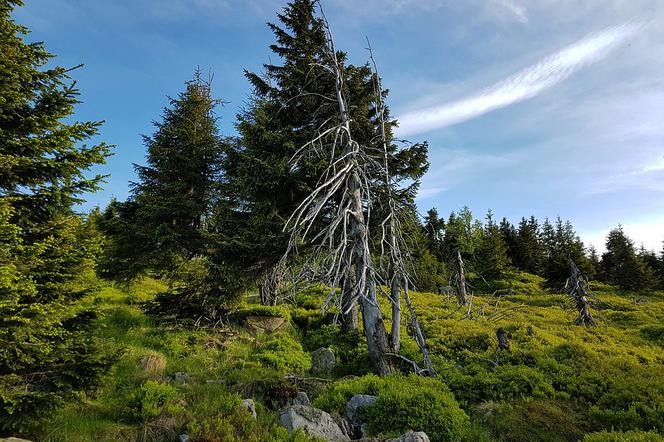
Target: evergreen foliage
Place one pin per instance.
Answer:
(167, 218)
(47, 351)
(622, 266)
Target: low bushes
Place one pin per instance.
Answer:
(404, 403)
(629, 436)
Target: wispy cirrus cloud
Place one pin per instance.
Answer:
(523, 85)
(518, 11)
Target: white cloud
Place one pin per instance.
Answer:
(518, 11)
(522, 85)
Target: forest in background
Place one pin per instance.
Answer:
(137, 321)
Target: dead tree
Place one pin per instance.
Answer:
(503, 340)
(343, 195)
(392, 239)
(270, 284)
(575, 287)
(460, 280)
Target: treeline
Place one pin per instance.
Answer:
(543, 249)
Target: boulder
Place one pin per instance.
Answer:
(313, 421)
(181, 376)
(323, 361)
(249, 406)
(301, 399)
(353, 406)
(265, 324)
(412, 436)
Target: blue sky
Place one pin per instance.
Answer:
(544, 107)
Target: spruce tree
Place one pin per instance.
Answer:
(434, 231)
(509, 234)
(285, 110)
(48, 351)
(620, 264)
(166, 219)
(529, 248)
(561, 244)
(492, 259)
(289, 106)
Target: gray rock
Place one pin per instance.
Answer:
(301, 399)
(181, 376)
(353, 406)
(265, 324)
(248, 404)
(313, 421)
(323, 361)
(184, 438)
(412, 436)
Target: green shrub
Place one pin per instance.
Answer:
(349, 348)
(154, 399)
(654, 333)
(629, 436)
(475, 384)
(404, 403)
(538, 420)
(282, 352)
(265, 384)
(244, 310)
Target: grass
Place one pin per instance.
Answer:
(558, 382)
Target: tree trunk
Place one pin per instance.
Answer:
(395, 294)
(269, 285)
(372, 318)
(461, 280)
(350, 319)
(419, 336)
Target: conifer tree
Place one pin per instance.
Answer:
(561, 244)
(287, 107)
(594, 262)
(621, 265)
(47, 351)
(529, 248)
(434, 231)
(509, 234)
(492, 259)
(166, 219)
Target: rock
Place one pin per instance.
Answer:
(412, 436)
(313, 421)
(353, 406)
(181, 376)
(13, 439)
(248, 404)
(184, 438)
(301, 399)
(262, 324)
(323, 361)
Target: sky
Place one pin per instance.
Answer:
(542, 107)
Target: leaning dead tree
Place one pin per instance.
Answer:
(392, 240)
(575, 287)
(343, 195)
(459, 280)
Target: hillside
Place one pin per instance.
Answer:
(557, 382)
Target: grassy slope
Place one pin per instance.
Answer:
(558, 382)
